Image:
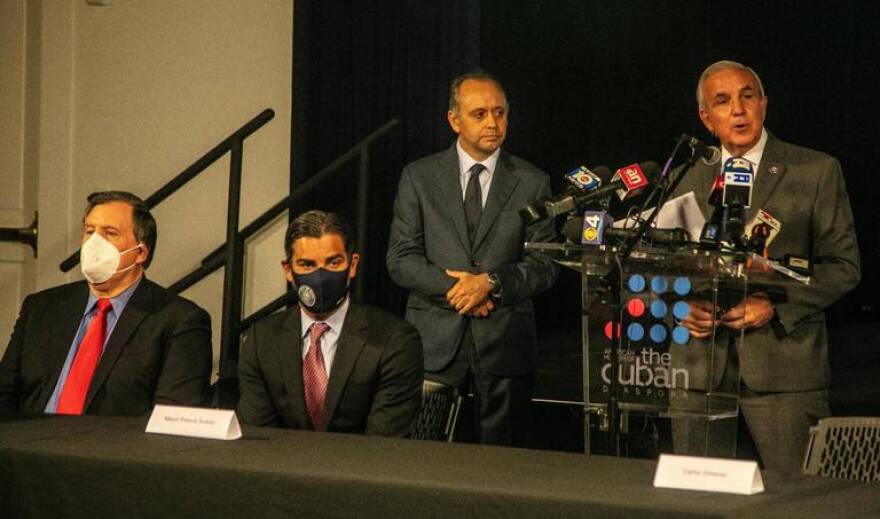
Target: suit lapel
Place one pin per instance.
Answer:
(289, 364)
(503, 183)
(449, 178)
(705, 178)
(66, 318)
(770, 172)
(351, 342)
(138, 308)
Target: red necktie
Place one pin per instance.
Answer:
(315, 376)
(76, 387)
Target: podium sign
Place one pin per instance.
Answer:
(663, 371)
(662, 368)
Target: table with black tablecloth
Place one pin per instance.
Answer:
(108, 467)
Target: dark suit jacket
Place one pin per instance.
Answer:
(375, 384)
(429, 235)
(159, 352)
(805, 191)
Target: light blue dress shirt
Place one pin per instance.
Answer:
(117, 305)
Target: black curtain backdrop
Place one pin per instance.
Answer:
(356, 66)
(589, 82)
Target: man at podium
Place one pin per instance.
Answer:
(783, 358)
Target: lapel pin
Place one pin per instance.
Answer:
(774, 169)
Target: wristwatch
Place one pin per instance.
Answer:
(495, 285)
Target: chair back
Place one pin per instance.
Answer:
(440, 405)
(844, 448)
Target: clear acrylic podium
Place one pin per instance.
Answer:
(688, 386)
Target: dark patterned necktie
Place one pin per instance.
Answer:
(473, 200)
(315, 376)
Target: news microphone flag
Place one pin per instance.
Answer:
(738, 180)
(595, 223)
(633, 179)
(583, 179)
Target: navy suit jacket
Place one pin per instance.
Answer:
(159, 352)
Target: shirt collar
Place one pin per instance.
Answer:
(754, 155)
(118, 303)
(465, 161)
(336, 319)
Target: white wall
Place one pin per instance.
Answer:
(19, 45)
(132, 93)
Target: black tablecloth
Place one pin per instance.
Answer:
(108, 467)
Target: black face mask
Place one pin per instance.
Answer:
(321, 291)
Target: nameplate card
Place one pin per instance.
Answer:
(197, 422)
(708, 474)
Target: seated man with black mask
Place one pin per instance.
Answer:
(329, 364)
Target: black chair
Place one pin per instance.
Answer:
(844, 448)
(436, 420)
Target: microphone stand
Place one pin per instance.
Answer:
(614, 278)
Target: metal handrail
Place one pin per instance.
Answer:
(231, 254)
(193, 170)
(216, 258)
(25, 235)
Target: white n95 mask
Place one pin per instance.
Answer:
(99, 259)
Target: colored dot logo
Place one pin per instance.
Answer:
(680, 310)
(682, 286)
(635, 332)
(659, 308)
(680, 335)
(635, 307)
(608, 330)
(655, 315)
(658, 333)
(636, 283)
(659, 285)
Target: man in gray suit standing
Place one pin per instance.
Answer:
(457, 245)
(783, 360)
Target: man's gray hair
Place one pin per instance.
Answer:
(718, 66)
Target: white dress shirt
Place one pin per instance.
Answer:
(754, 155)
(465, 162)
(330, 338)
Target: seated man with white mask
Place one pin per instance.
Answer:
(329, 363)
(115, 344)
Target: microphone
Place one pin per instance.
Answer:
(737, 196)
(633, 179)
(595, 224)
(568, 201)
(761, 232)
(626, 182)
(576, 230)
(583, 179)
(710, 235)
(738, 180)
(708, 154)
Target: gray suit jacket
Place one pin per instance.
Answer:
(803, 189)
(375, 384)
(429, 235)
